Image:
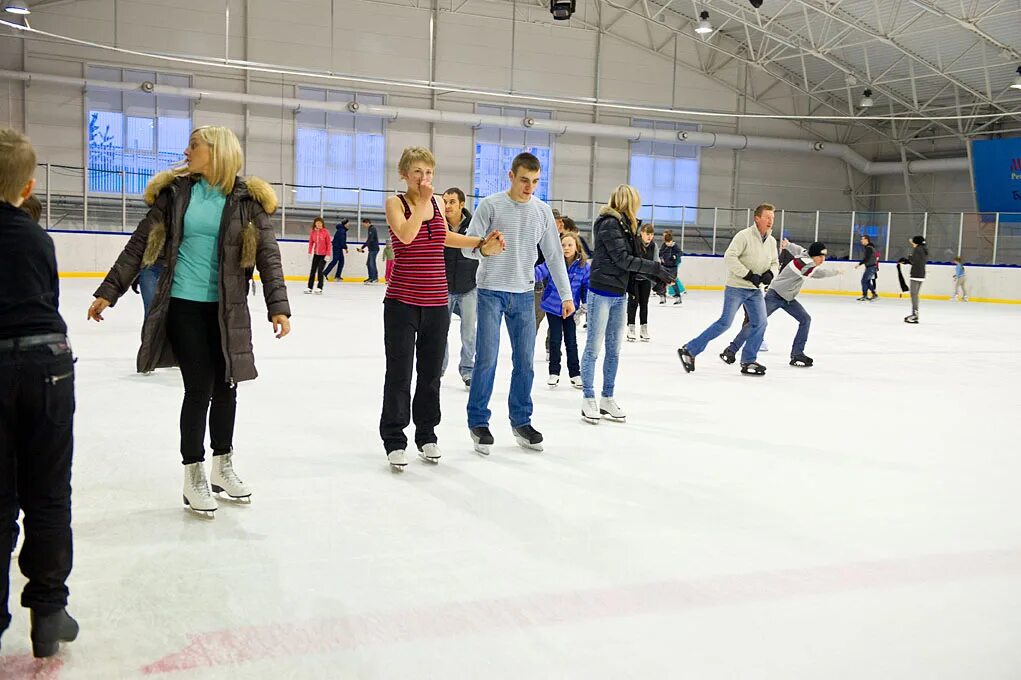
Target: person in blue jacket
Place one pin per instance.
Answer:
(339, 249)
(552, 305)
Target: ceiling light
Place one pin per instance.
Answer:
(17, 8)
(866, 99)
(755, 3)
(562, 9)
(1017, 80)
(703, 24)
(850, 80)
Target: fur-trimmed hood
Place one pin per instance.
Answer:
(255, 187)
(607, 210)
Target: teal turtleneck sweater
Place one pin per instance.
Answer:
(197, 273)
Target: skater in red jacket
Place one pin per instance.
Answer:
(320, 247)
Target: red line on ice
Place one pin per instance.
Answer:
(243, 645)
(27, 667)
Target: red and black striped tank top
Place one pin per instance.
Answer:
(420, 275)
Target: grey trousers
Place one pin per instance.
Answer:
(916, 287)
(961, 286)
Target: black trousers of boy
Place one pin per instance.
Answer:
(318, 264)
(413, 337)
(566, 329)
(638, 300)
(194, 332)
(36, 423)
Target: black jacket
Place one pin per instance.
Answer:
(868, 258)
(371, 239)
(29, 288)
(460, 269)
(670, 255)
(918, 258)
(339, 239)
(646, 252)
(614, 258)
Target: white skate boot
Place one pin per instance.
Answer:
(224, 480)
(644, 333)
(430, 453)
(631, 337)
(553, 380)
(609, 408)
(590, 411)
(398, 460)
(196, 490)
(576, 382)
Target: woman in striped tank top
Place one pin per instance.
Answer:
(415, 314)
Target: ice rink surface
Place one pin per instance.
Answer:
(858, 519)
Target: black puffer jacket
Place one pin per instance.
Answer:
(918, 259)
(460, 269)
(614, 259)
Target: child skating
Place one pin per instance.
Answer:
(578, 273)
(960, 280)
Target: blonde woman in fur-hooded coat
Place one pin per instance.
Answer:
(209, 228)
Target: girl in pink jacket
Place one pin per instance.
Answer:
(319, 247)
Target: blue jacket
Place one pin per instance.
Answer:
(339, 239)
(578, 273)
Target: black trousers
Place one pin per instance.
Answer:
(318, 263)
(36, 423)
(412, 334)
(194, 332)
(566, 329)
(638, 300)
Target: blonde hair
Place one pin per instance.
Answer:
(225, 156)
(17, 165)
(763, 208)
(626, 200)
(412, 155)
(579, 252)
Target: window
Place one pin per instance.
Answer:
(665, 174)
(495, 149)
(339, 150)
(133, 132)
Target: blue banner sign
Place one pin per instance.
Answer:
(997, 166)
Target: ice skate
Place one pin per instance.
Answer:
(49, 630)
(643, 333)
(608, 407)
(197, 495)
(590, 411)
(801, 361)
(964, 299)
(678, 300)
(528, 437)
(687, 359)
(631, 337)
(483, 439)
(576, 382)
(308, 292)
(763, 347)
(430, 453)
(553, 381)
(224, 480)
(728, 356)
(467, 380)
(911, 318)
(863, 298)
(662, 299)
(753, 368)
(398, 460)
(319, 292)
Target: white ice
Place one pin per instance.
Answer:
(858, 519)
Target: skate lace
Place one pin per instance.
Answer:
(198, 481)
(227, 472)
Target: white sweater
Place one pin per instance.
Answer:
(749, 252)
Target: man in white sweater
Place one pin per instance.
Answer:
(752, 261)
(506, 284)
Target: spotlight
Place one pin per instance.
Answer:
(866, 99)
(17, 8)
(562, 9)
(703, 24)
(755, 3)
(1017, 80)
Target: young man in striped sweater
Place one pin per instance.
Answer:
(506, 284)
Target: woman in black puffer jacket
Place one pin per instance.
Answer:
(614, 260)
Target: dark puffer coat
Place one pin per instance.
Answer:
(246, 240)
(615, 258)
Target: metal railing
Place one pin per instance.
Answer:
(978, 238)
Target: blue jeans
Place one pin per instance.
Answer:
(794, 308)
(338, 261)
(868, 280)
(518, 309)
(147, 280)
(370, 264)
(466, 306)
(606, 317)
(734, 299)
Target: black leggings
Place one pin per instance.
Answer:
(193, 329)
(318, 262)
(638, 299)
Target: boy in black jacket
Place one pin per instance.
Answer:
(36, 407)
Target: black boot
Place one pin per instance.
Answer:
(728, 356)
(48, 630)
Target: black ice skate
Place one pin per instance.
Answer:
(728, 356)
(801, 360)
(528, 437)
(687, 359)
(483, 439)
(913, 318)
(49, 630)
(754, 368)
